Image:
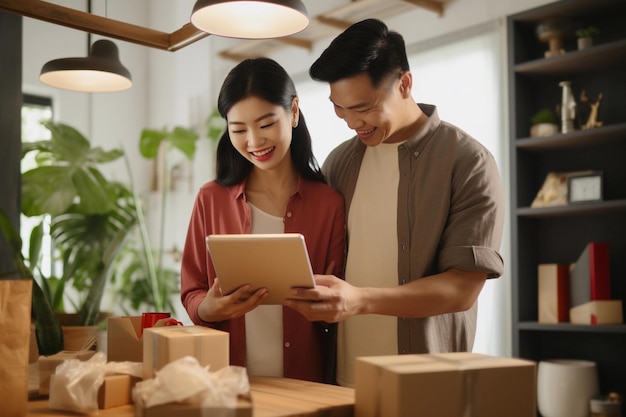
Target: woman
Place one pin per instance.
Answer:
(268, 181)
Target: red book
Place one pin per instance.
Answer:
(590, 278)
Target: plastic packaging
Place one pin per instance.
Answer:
(75, 384)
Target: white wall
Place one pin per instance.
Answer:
(180, 88)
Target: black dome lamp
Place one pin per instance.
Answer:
(100, 72)
(250, 19)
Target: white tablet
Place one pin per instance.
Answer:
(277, 262)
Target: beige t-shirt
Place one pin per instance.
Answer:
(264, 324)
(373, 257)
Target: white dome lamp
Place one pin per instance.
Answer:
(250, 19)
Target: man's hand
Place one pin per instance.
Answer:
(218, 307)
(335, 300)
(332, 300)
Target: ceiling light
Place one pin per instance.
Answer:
(100, 72)
(259, 19)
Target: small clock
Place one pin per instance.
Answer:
(585, 187)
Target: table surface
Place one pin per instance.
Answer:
(271, 397)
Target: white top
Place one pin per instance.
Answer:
(373, 257)
(264, 324)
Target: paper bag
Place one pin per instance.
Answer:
(15, 304)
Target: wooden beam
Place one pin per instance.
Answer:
(236, 57)
(339, 24)
(300, 43)
(432, 5)
(184, 36)
(104, 26)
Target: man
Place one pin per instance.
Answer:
(425, 210)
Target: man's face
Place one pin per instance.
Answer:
(375, 114)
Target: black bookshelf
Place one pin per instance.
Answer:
(559, 234)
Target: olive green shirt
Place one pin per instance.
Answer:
(450, 215)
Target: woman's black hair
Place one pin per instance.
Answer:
(266, 79)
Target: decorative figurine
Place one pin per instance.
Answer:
(553, 32)
(568, 108)
(592, 120)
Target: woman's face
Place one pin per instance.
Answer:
(262, 131)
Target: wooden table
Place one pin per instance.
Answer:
(271, 397)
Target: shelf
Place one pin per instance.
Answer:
(590, 137)
(573, 62)
(568, 327)
(556, 234)
(602, 207)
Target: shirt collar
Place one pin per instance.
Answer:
(239, 190)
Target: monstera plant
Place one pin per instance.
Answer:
(90, 216)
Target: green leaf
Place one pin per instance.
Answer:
(35, 242)
(184, 140)
(98, 155)
(11, 235)
(41, 146)
(215, 125)
(149, 142)
(47, 190)
(92, 190)
(69, 144)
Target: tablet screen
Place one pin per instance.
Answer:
(277, 262)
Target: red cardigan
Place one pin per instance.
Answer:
(316, 211)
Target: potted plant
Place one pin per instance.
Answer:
(141, 280)
(543, 123)
(90, 216)
(47, 327)
(586, 35)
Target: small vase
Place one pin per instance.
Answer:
(565, 387)
(584, 43)
(543, 129)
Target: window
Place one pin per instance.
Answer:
(327, 130)
(35, 109)
(461, 74)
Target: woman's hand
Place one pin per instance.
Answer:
(218, 307)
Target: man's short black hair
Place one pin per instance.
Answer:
(367, 46)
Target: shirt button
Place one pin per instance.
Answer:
(289, 214)
(287, 344)
(416, 153)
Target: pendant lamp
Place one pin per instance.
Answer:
(250, 19)
(100, 72)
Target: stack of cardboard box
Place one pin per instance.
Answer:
(154, 348)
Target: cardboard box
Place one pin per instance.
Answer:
(48, 364)
(444, 385)
(590, 278)
(124, 341)
(162, 345)
(116, 390)
(553, 293)
(243, 409)
(598, 312)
